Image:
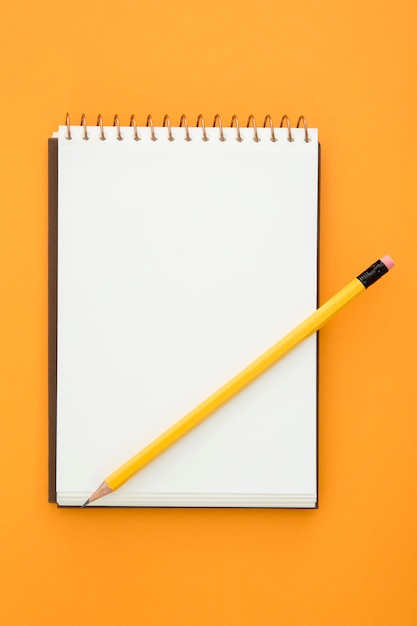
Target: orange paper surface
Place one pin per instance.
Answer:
(350, 69)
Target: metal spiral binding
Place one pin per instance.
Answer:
(235, 122)
(268, 119)
(100, 124)
(184, 121)
(117, 124)
(132, 123)
(167, 122)
(218, 119)
(217, 122)
(302, 119)
(84, 125)
(68, 125)
(149, 122)
(251, 120)
(285, 118)
(200, 118)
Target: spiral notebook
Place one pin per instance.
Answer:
(178, 255)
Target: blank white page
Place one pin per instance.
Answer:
(179, 263)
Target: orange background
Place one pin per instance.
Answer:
(351, 69)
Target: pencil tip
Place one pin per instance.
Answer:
(103, 490)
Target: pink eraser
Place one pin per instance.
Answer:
(388, 262)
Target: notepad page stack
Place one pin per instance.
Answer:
(182, 257)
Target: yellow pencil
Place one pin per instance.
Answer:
(309, 326)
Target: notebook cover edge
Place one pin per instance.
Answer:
(52, 311)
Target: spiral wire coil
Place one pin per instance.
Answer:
(217, 122)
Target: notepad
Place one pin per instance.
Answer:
(177, 255)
